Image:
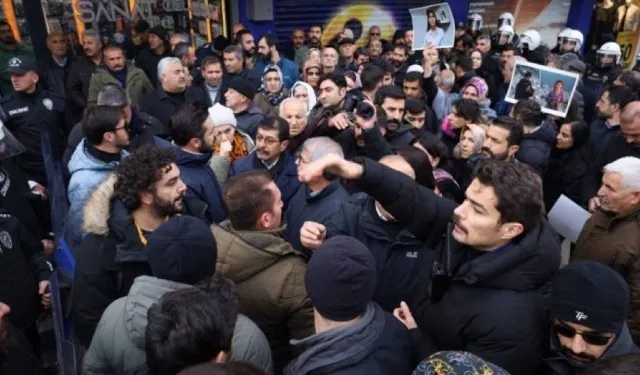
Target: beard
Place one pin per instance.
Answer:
(168, 208)
(396, 63)
(264, 57)
(487, 154)
(205, 148)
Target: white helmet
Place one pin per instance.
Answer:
(561, 35)
(506, 19)
(505, 31)
(531, 38)
(572, 41)
(475, 22)
(608, 55)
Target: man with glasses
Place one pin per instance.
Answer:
(374, 33)
(587, 326)
(272, 140)
(106, 135)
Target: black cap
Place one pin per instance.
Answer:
(346, 41)
(160, 31)
(182, 250)
(244, 86)
(590, 294)
(341, 278)
(21, 65)
(578, 66)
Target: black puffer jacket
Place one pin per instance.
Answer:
(565, 175)
(487, 303)
(535, 149)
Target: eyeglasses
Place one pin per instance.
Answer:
(374, 34)
(267, 141)
(592, 338)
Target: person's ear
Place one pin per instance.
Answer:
(109, 136)
(513, 149)
(509, 231)
(195, 143)
(284, 145)
(635, 198)
(146, 197)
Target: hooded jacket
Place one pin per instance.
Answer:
(87, 173)
(109, 258)
(137, 83)
(118, 345)
(535, 148)
(377, 344)
(200, 180)
(557, 364)
(509, 331)
(269, 278)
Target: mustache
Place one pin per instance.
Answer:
(486, 149)
(585, 356)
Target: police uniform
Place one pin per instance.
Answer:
(32, 118)
(597, 79)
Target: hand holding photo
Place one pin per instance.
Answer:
(552, 88)
(433, 25)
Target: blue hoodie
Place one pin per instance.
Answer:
(87, 173)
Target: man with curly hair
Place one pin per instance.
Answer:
(145, 191)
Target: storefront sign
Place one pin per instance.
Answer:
(628, 41)
(90, 12)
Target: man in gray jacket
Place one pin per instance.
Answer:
(181, 253)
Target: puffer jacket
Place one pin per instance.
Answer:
(269, 278)
(87, 173)
(615, 241)
(118, 344)
(535, 148)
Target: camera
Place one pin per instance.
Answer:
(354, 102)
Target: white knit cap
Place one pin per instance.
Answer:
(222, 115)
(415, 68)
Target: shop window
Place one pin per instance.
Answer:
(13, 13)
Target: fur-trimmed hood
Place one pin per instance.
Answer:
(98, 208)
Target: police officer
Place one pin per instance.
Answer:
(606, 68)
(36, 118)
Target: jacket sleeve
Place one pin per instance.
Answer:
(416, 206)
(251, 345)
(147, 87)
(375, 145)
(221, 168)
(74, 85)
(96, 358)
(633, 278)
(34, 251)
(94, 89)
(300, 309)
(430, 88)
(593, 176)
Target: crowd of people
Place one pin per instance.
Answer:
(249, 208)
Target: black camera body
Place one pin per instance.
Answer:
(354, 102)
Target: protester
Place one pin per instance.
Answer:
(149, 58)
(303, 91)
(272, 92)
(467, 153)
(239, 98)
(539, 135)
(80, 73)
(503, 138)
(295, 112)
(234, 68)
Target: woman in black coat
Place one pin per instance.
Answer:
(568, 163)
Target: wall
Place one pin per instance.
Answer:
(257, 28)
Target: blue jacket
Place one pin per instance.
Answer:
(200, 180)
(285, 174)
(87, 173)
(319, 208)
(289, 69)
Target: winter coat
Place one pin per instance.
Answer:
(269, 278)
(600, 133)
(261, 100)
(109, 258)
(565, 174)
(376, 344)
(53, 77)
(556, 364)
(137, 83)
(162, 106)
(614, 241)
(400, 257)
(508, 331)
(249, 119)
(22, 266)
(317, 208)
(17, 357)
(118, 345)
(148, 60)
(615, 149)
(400, 138)
(78, 82)
(597, 78)
(87, 173)
(220, 165)
(290, 71)
(244, 74)
(200, 180)
(285, 173)
(535, 148)
(15, 197)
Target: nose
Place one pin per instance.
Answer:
(578, 345)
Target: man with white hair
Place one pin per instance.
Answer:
(295, 111)
(171, 94)
(317, 200)
(612, 234)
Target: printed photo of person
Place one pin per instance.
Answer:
(433, 25)
(435, 34)
(556, 99)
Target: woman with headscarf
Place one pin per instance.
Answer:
(478, 58)
(304, 91)
(466, 154)
(556, 98)
(272, 91)
(476, 89)
(311, 72)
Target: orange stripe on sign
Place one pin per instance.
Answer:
(11, 18)
(76, 16)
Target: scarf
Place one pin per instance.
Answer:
(238, 151)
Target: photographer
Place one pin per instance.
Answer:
(329, 117)
(391, 100)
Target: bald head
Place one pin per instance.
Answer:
(447, 79)
(57, 44)
(630, 123)
(399, 164)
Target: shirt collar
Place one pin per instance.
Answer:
(270, 166)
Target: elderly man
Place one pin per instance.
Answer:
(239, 97)
(80, 73)
(295, 111)
(233, 60)
(54, 71)
(612, 234)
(171, 95)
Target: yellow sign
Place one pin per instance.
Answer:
(628, 41)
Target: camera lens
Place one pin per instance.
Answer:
(365, 111)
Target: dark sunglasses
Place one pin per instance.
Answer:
(592, 338)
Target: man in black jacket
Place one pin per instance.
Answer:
(499, 248)
(80, 74)
(233, 59)
(120, 215)
(539, 135)
(54, 71)
(149, 58)
(392, 100)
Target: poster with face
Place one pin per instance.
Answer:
(552, 88)
(433, 25)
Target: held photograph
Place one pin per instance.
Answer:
(433, 25)
(550, 87)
